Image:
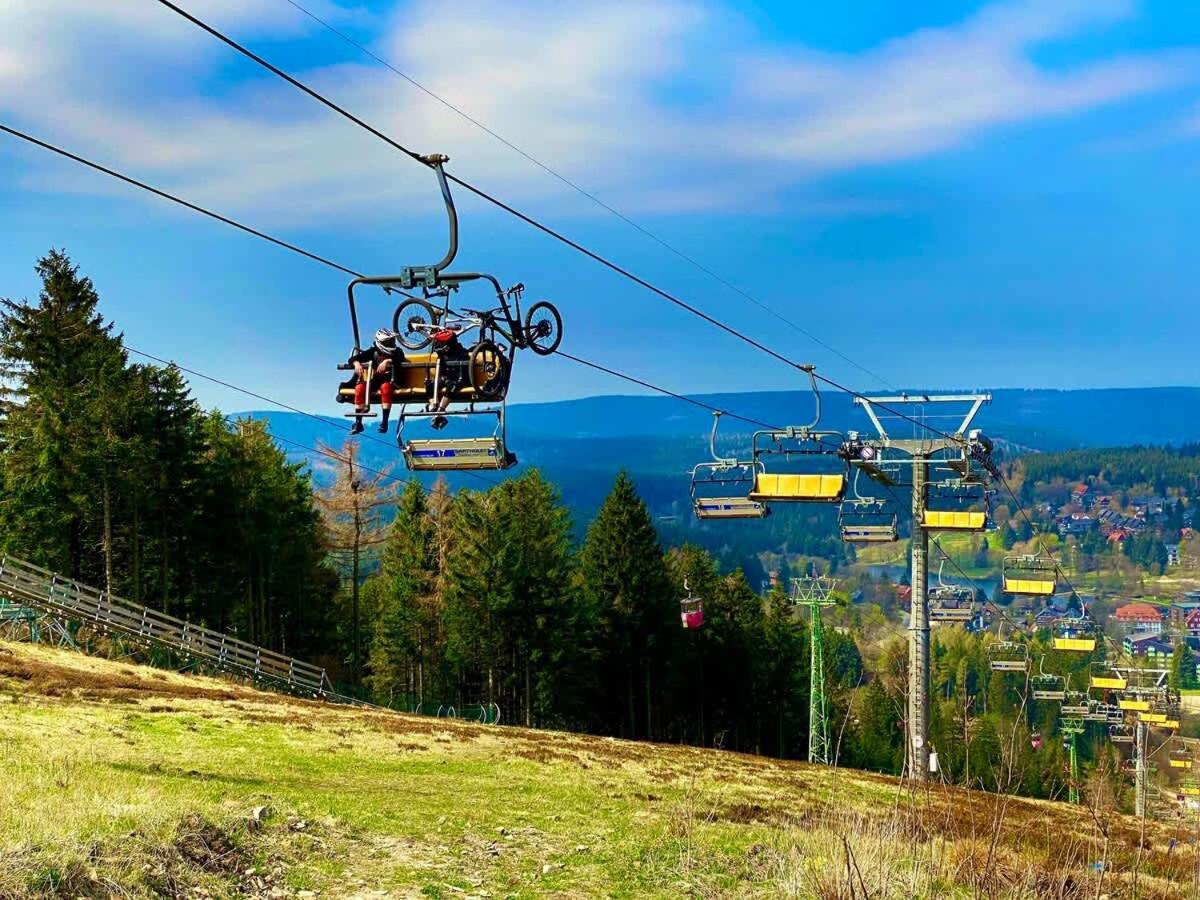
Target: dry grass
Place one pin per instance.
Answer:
(125, 781)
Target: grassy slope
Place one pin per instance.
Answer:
(116, 776)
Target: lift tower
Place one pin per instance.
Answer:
(815, 593)
(965, 452)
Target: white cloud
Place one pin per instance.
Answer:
(592, 90)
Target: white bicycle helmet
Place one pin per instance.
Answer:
(385, 340)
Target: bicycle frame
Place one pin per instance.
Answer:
(431, 278)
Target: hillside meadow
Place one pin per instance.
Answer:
(120, 780)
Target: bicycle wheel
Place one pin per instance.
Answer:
(543, 328)
(489, 370)
(407, 319)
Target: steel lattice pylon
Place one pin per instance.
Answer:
(1071, 729)
(815, 592)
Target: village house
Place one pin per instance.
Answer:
(1140, 618)
(1151, 647)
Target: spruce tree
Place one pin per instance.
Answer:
(623, 578)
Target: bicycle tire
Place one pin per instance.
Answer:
(489, 370)
(411, 312)
(544, 337)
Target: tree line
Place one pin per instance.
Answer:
(110, 472)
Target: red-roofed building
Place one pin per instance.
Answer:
(1142, 617)
(1192, 623)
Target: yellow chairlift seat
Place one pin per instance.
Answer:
(729, 508)
(1170, 724)
(1110, 682)
(1135, 706)
(954, 520)
(1037, 587)
(1075, 645)
(1190, 791)
(1180, 763)
(1151, 718)
(802, 488)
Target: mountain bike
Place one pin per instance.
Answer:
(416, 318)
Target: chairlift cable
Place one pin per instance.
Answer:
(528, 219)
(315, 258)
(690, 260)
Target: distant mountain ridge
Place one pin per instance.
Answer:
(1038, 418)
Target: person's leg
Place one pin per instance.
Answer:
(360, 389)
(385, 405)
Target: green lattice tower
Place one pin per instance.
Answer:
(815, 592)
(1072, 728)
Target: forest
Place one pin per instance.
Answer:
(110, 472)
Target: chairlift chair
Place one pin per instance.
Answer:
(691, 609)
(1135, 704)
(469, 453)
(1071, 636)
(1075, 704)
(799, 464)
(719, 488)
(1047, 685)
(951, 603)
(954, 505)
(1009, 656)
(1120, 734)
(1105, 677)
(1030, 575)
(1180, 759)
(867, 520)
(416, 379)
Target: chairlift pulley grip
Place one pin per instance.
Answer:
(435, 159)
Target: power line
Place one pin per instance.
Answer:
(112, 173)
(522, 216)
(575, 186)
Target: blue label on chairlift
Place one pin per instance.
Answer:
(450, 452)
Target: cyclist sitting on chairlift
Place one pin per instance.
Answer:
(383, 357)
(451, 373)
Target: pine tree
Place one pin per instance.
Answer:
(65, 419)
(404, 641)
(622, 576)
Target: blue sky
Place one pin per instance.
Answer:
(951, 194)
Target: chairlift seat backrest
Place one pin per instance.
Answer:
(1075, 645)
(457, 454)
(1010, 665)
(1133, 705)
(869, 534)
(951, 614)
(729, 508)
(796, 487)
(1029, 586)
(954, 520)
